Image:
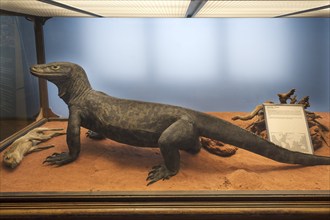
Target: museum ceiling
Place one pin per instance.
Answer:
(168, 8)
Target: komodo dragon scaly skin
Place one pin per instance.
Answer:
(145, 124)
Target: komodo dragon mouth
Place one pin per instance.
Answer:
(43, 71)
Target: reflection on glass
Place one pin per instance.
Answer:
(19, 96)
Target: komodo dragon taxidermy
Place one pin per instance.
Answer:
(28, 144)
(146, 124)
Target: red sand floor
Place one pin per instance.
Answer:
(105, 165)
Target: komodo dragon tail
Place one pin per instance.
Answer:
(218, 129)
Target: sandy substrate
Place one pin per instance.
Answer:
(105, 165)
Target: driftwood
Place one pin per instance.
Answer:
(217, 147)
(252, 114)
(258, 126)
(283, 97)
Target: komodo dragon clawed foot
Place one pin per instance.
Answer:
(94, 135)
(159, 172)
(59, 159)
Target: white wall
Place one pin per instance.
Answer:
(205, 64)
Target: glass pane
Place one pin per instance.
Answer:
(19, 95)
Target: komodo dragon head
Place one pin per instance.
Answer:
(70, 78)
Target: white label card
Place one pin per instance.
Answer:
(287, 127)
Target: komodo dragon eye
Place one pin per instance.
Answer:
(55, 67)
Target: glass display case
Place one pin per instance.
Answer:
(108, 180)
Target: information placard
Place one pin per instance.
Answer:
(287, 127)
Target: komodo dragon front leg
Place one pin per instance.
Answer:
(72, 139)
(181, 135)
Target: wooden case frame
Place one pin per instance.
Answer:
(167, 205)
(150, 205)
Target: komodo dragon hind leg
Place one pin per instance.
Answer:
(94, 135)
(180, 135)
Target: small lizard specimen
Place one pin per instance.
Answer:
(28, 144)
(146, 124)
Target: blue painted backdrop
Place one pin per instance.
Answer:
(205, 64)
